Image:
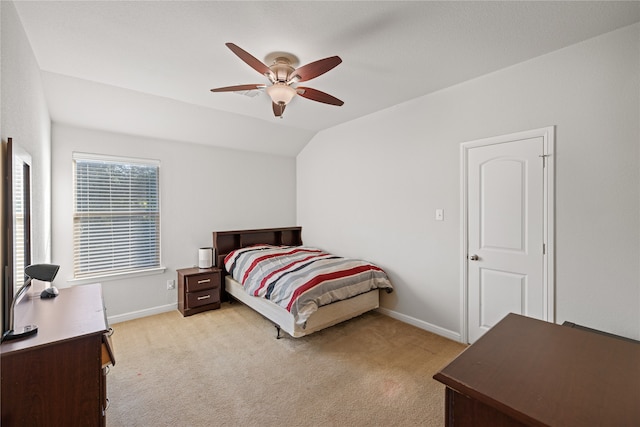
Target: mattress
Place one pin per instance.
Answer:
(302, 279)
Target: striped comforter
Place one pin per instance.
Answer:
(301, 279)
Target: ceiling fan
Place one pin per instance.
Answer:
(284, 78)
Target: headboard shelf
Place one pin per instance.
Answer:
(227, 241)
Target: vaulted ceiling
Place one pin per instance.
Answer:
(147, 67)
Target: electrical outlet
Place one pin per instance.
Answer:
(171, 284)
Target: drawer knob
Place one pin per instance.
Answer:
(204, 297)
(204, 281)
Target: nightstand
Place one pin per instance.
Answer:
(198, 290)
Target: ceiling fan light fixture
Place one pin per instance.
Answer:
(281, 93)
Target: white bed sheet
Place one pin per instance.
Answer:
(325, 316)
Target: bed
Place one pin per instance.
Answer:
(230, 244)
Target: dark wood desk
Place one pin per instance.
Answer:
(56, 377)
(533, 373)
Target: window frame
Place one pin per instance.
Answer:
(114, 275)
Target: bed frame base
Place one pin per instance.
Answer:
(327, 315)
(232, 300)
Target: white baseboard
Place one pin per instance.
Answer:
(141, 313)
(455, 336)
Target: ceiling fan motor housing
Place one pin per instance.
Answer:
(282, 69)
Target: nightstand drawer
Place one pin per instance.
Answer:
(202, 281)
(210, 296)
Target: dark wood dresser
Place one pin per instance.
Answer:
(526, 372)
(56, 377)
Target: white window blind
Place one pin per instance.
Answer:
(116, 221)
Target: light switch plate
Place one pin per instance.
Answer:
(439, 214)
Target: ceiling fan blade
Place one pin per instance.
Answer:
(238, 88)
(317, 68)
(254, 63)
(278, 109)
(316, 95)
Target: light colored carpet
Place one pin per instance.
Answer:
(225, 368)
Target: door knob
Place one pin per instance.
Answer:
(474, 257)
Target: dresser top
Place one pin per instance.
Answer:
(75, 312)
(546, 374)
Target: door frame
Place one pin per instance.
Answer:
(548, 135)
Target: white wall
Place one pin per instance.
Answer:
(203, 189)
(25, 118)
(369, 188)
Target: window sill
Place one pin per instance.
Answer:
(118, 276)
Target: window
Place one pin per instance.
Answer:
(116, 216)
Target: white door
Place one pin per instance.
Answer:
(507, 228)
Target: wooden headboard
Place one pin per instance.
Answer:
(227, 241)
